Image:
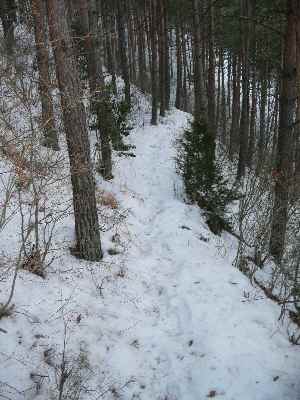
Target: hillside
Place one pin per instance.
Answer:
(164, 316)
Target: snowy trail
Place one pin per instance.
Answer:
(171, 311)
(205, 337)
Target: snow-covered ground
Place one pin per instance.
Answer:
(168, 318)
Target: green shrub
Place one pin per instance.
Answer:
(203, 178)
(114, 113)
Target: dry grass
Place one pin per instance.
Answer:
(107, 199)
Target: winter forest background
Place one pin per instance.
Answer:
(149, 202)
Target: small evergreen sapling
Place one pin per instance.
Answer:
(114, 113)
(204, 182)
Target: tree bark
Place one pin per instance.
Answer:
(199, 106)
(244, 122)
(252, 130)
(123, 50)
(88, 245)
(162, 57)
(141, 52)
(283, 172)
(8, 17)
(211, 73)
(48, 124)
(236, 96)
(153, 39)
(178, 100)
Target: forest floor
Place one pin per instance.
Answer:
(167, 318)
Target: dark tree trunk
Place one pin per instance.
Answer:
(111, 63)
(96, 39)
(252, 130)
(123, 50)
(141, 52)
(88, 40)
(223, 101)
(162, 57)
(131, 46)
(167, 63)
(48, 125)
(88, 18)
(88, 245)
(178, 100)
(153, 38)
(8, 18)
(236, 83)
(185, 73)
(283, 172)
(229, 80)
(211, 73)
(262, 122)
(244, 122)
(199, 106)
(297, 127)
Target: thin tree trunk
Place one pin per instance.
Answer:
(244, 122)
(211, 73)
(223, 126)
(111, 63)
(252, 130)
(178, 100)
(48, 124)
(199, 106)
(167, 62)
(123, 50)
(236, 83)
(96, 33)
(153, 38)
(262, 121)
(162, 57)
(141, 53)
(88, 42)
(8, 17)
(185, 73)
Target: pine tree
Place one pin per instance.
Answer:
(204, 182)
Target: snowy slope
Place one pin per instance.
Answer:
(168, 318)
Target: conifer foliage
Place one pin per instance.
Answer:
(204, 181)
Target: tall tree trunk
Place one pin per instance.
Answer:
(262, 121)
(236, 96)
(141, 52)
(88, 245)
(8, 17)
(276, 125)
(178, 100)
(223, 126)
(168, 64)
(153, 38)
(282, 174)
(244, 122)
(88, 17)
(48, 125)
(185, 73)
(297, 127)
(88, 42)
(199, 106)
(211, 73)
(229, 76)
(218, 90)
(111, 63)
(252, 130)
(96, 32)
(123, 50)
(162, 57)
